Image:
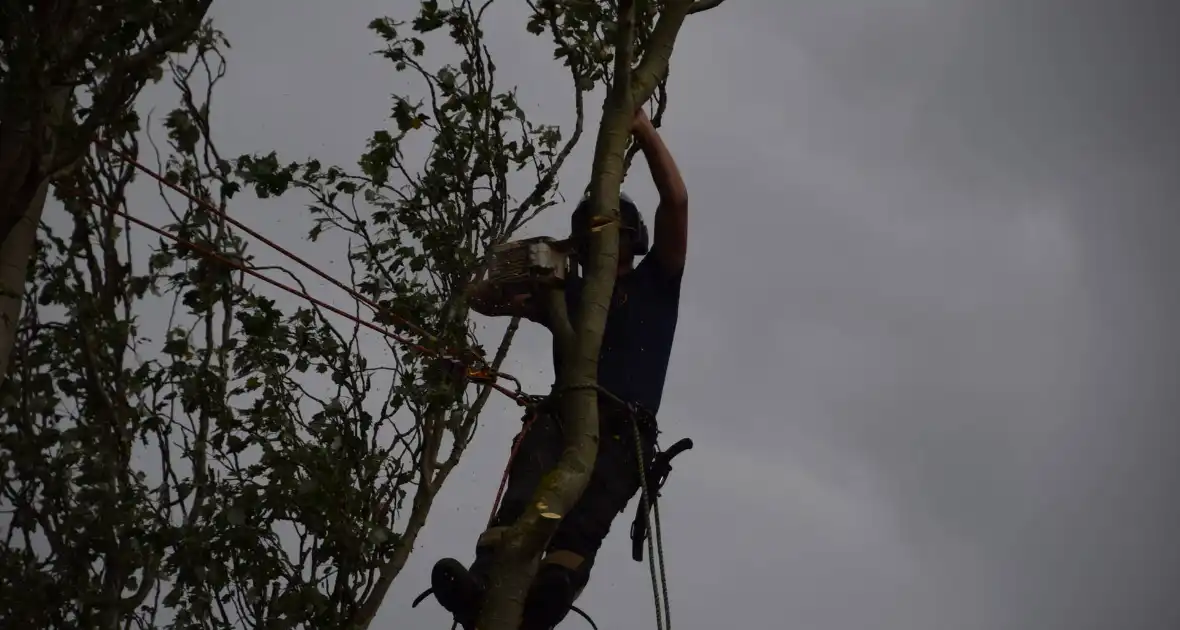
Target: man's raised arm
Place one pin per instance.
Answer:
(671, 224)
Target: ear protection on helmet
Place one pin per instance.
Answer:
(632, 224)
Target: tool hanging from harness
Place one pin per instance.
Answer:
(657, 471)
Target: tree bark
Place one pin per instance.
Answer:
(521, 547)
(34, 143)
(14, 265)
(24, 188)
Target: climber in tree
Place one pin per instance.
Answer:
(633, 362)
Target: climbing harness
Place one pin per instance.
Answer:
(653, 473)
(516, 266)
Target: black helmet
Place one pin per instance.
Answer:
(632, 224)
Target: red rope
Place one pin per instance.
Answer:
(481, 375)
(508, 467)
(214, 210)
(477, 371)
(271, 281)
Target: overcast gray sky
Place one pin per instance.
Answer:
(928, 346)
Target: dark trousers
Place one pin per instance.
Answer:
(613, 482)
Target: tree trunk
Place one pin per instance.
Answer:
(521, 547)
(14, 264)
(24, 188)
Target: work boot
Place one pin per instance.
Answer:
(549, 599)
(457, 590)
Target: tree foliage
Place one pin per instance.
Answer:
(255, 460)
(69, 71)
(186, 446)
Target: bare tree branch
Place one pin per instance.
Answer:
(654, 66)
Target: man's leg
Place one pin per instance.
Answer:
(565, 568)
(459, 589)
(541, 446)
